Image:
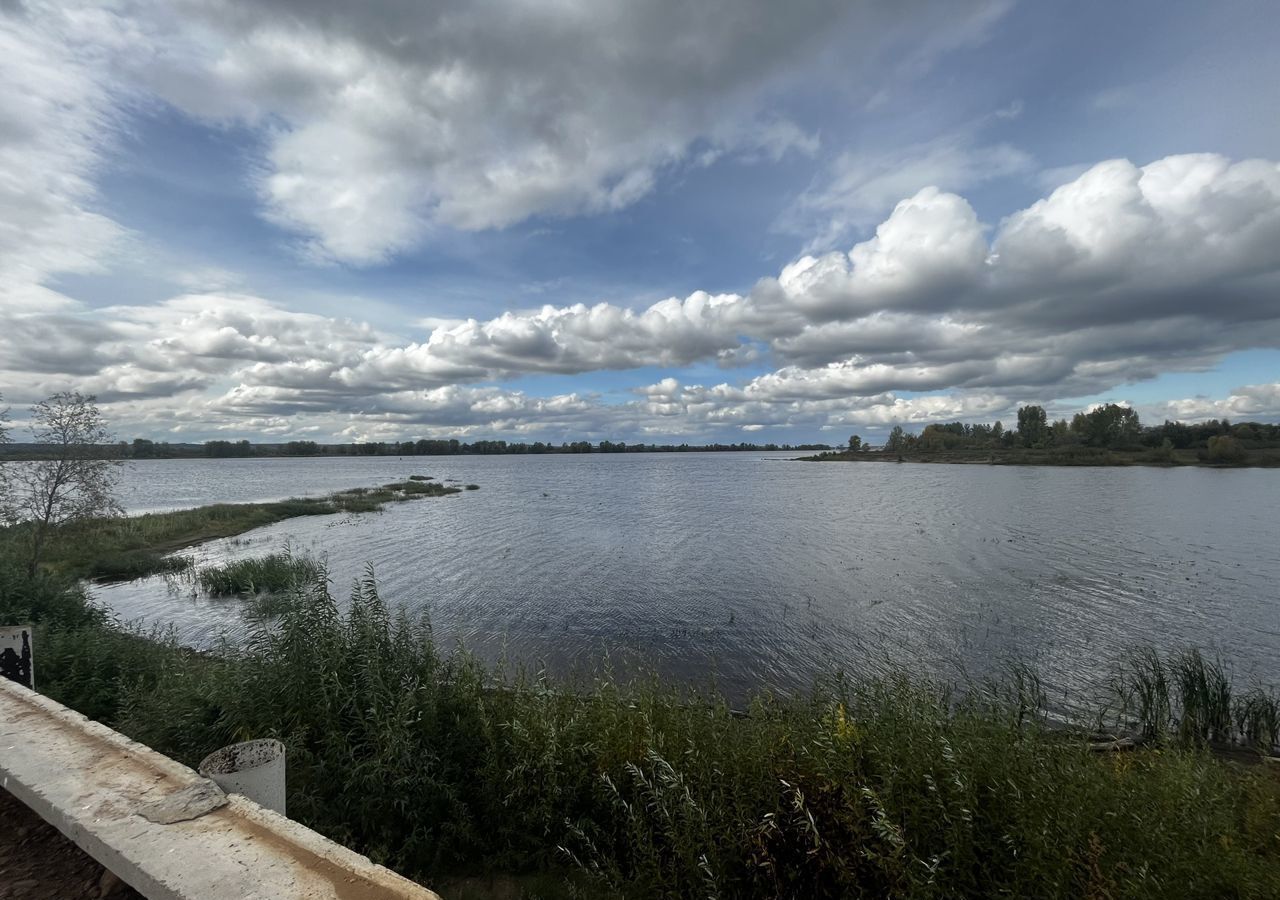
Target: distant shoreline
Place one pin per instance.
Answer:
(1067, 457)
(33, 452)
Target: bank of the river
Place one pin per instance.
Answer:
(1063, 456)
(129, 547)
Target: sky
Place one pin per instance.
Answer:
(639, 220)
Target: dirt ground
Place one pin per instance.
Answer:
(38, 863)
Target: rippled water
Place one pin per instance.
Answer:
(758, 570)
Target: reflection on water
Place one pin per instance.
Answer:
(753, 570)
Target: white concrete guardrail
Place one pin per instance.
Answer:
(159, 826)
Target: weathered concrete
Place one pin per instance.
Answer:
(112, 797)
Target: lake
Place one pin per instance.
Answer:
(753, 570)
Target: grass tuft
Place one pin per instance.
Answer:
(272, 573)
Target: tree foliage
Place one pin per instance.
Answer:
(1225, 448)
(74, 483)
(1033, 426)
(1110, 425)
(897, 441)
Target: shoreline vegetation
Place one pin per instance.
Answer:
(142, 448)
(122, 548)
(1109, 435)
(458, 774)
(1266, 459)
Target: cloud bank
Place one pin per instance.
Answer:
(1125, 272)
(384, 121)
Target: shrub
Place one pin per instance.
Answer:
(1225, 449)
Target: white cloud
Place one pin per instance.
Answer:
(1115, 277)
(387, 120)
(54, 129)
(1252, 401)
(859, 188)
(382, 121)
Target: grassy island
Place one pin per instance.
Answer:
(891, 787)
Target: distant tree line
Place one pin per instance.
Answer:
(144, 448)
(1107, 427)
(455, 447)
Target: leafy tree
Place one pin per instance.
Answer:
(855, 444)
(1033, 426)
(74, 483)
(897, 441)
(1060, 432)
(1110, 425)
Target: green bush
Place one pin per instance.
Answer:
(1225, 449)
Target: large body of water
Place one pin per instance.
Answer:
(755, 570)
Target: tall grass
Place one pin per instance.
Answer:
(890, 787)
(1190, 700)
(272, 573)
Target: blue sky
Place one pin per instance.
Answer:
(260, 220)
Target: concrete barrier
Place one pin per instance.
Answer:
(163, 829)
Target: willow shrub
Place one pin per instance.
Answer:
(885, 788)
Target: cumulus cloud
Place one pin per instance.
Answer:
(55, 127)
(857, 189)
(1121, 274)
(383, 121)
(1251, 401)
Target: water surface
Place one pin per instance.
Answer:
(755, 570)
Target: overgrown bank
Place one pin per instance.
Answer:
(135, 546)
(1105, 435)
(885, 788)
(1054, 456)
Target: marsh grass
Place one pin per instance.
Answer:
(270, 574)
(1188, 699)
(888, 787)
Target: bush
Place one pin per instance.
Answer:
(1225, 449)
